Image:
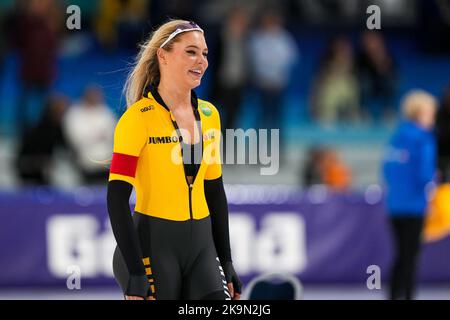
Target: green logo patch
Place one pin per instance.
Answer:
(206, 110)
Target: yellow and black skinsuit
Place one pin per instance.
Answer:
(176, 245)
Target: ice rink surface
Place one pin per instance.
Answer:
(311, 292)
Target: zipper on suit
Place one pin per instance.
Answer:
(190, 201)
(190, 185)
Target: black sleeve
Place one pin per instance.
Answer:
(218, 208)
(126, 236)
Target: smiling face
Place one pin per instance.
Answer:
(187, 62)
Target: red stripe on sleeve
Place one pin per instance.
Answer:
(123, 164)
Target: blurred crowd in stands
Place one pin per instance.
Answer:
(353, 85)
(253, 48)
(84, 128)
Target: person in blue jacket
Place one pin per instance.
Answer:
(409, 167)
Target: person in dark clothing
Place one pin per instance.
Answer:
(38, 143)
(232, 63)
(3, 52)
(311, 173)
(409, 168)
(34, 35)
(377, 76)
(443, 137)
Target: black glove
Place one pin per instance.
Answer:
(138, 286)
(231, 276)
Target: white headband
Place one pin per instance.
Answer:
(177, 32)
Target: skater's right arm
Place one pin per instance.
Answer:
(129, 139)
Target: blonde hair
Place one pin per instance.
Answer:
(415, 101)
(146, 67)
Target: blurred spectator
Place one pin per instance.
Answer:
(3, 37)
(121, 23)
(38, 144)
(34, 30)
(232, 67)
(443, 137)
(335, 91)
(335, 173)
(89, 127)
(433, 30)
(328, 12)
(161, 10)
(3, 46)
(273, 53)
(409, 167)
(106, 21)
(377, 76)
(311, 173)
(324, 166)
